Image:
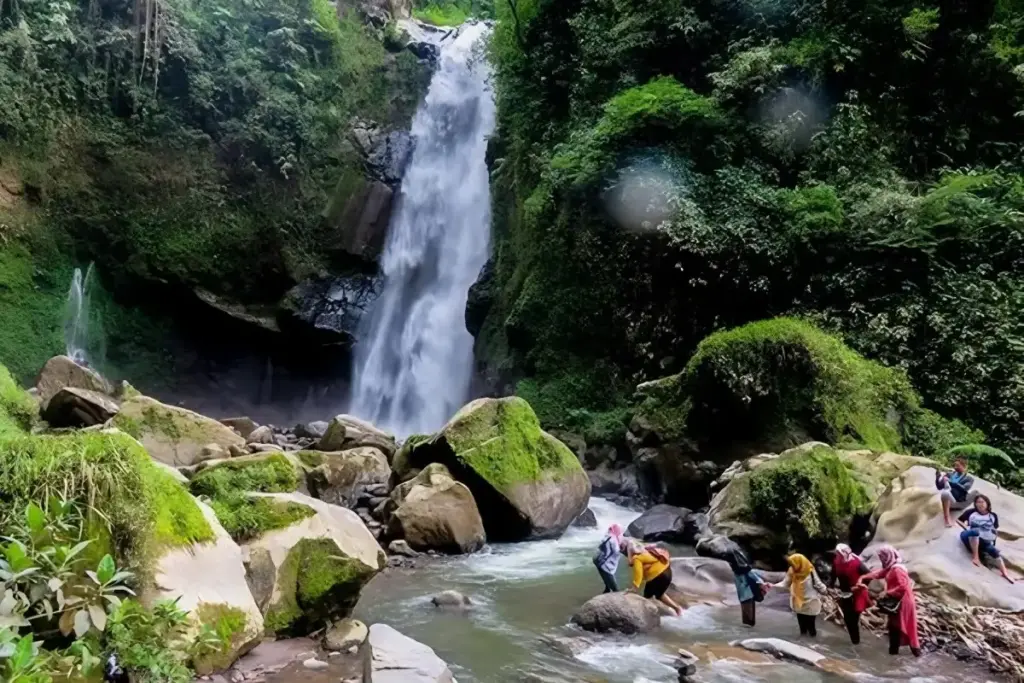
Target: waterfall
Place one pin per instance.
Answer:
(414, 361)
(76, 316)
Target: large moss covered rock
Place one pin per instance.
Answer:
(173, 435)
(208, 580)
(774, 384)
(810, 496)
(526, 482)
(312, 571)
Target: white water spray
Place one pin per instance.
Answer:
(76, 316)
(414, 363)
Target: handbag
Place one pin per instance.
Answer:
(889, 604)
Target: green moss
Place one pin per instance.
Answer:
(811, 495)
(143, 507)
(229, 624)
(245, 517)
(310, 459)
(442, 13)
(177, 520)
(501, 440)
(928, 434)
(33, 288)
(316, 583)
(328, 581)
(769, 381)
(273, 473)
(18, 410)
(285, 614)
(664, 407)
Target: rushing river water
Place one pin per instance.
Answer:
(525, 595)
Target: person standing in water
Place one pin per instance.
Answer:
(805, 591)
(847, 568)
(653, 565)
(980, 524)
(607, 558)
(750, 586)
(898, 602)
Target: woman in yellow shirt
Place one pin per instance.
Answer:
(653, 565)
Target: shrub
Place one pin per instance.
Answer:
(810, 495)
(985, 461)
(780, 380)
(18, 410)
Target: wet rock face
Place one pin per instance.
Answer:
(330, 309)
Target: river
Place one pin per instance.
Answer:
(525, 594)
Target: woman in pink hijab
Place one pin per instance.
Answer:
(899, 598)
(607, 558)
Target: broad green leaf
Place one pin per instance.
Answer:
(35, 518)
(23, 653)
(106, 569)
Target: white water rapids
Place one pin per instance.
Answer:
(413, 365)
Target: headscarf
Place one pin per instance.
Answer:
(888, 556)
(615, 531)
(846, 552)
(799, 569)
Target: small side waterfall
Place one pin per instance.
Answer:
(76, 316)
(413, 370)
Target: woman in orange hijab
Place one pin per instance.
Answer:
(805, 591)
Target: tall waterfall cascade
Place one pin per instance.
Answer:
(76, 316)
(414, 362)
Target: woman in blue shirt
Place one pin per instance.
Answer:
(979, 534)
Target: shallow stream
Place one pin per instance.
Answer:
(525, 594)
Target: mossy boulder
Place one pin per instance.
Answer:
(808, 497)
(527, 484)
(173, 435)
(261, 473)
(314, 569)
(773, 384)
(339, 478)
(208, 580)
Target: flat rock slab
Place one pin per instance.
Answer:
(399, 659)
(783, 649)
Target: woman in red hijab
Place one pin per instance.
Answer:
(898, 587)
(847, 568)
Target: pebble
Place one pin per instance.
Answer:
(315, 664)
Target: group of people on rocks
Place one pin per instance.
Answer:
(850, 575)
(651, 566)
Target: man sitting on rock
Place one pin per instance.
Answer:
(955, 489)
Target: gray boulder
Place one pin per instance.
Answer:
(660, 523)
(451, 600)
(263, 435)
(71, 407)
(717, 546)
(587, 520)
(339, 478)
(399, 659)
(243, 425)
(345, 634)
(60, 372)
(311, 430)
(623, 612)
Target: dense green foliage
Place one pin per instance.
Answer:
(74, 507)
(777, 383)
(451, 12)
(855, 163)
(178, 144)
(812, 496)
